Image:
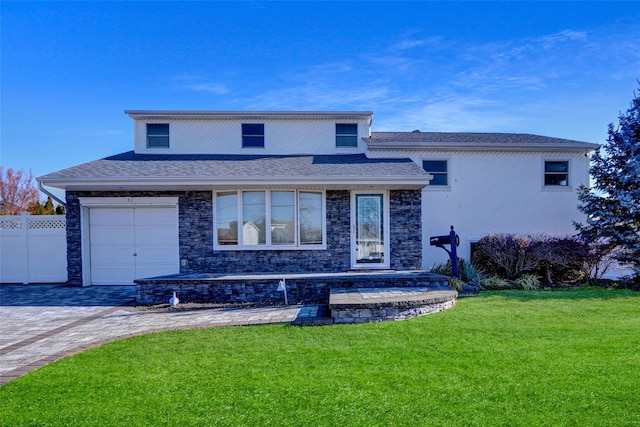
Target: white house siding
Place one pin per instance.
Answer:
(224, 136)
(491, 192)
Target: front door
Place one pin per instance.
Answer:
(370, 227)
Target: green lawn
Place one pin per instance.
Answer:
(511, 358)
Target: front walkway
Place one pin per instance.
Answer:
(40, 324)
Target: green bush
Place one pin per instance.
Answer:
(456, 284)
(527, 282)
(443, 268)
(495, 283)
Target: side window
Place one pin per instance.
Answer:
(556, 173)
(439, 170)
(157, 135)
(346, 135)
(472, 249)
(252, 135)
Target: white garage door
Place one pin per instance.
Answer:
(132, 243)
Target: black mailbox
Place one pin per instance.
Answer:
(440, 240)
(443, 240)
(449, 239)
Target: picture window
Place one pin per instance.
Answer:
(269, 219)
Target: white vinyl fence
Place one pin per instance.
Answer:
(33, 249)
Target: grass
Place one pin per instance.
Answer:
(510, 358)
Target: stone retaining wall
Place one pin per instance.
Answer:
(365, 315)
(301, 288)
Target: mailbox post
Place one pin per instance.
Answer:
(453, 240)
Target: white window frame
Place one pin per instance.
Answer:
(449, 172)
(567, 187)
(268, 246)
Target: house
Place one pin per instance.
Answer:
(245, 192)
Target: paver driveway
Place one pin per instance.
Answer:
(40, 324)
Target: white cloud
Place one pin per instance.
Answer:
(449, 114)
(217, 88)
(200, 84)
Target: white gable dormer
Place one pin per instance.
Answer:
(233, 132)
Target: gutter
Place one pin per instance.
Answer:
(441, 146)
(48, 193)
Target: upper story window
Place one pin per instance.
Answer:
(346, 135)
(157, 135)
(252, 135)
(556, 173)
(439, 170)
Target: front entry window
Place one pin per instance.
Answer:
(370, 245)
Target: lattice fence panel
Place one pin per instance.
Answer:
(10, 223)
(47, 223)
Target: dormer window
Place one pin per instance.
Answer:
(253, 135)
(346, 135)
(157, 135)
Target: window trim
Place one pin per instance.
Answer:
(346, 134)
(557, 187)
(448, 162)
(168, 136)
(252, 136)
(268, 245)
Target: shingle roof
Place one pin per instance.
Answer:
(130, 166)
(442, 140)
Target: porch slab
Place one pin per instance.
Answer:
(363, 305)
(261, 289)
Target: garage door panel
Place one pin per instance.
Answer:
(112, 255)
(112, 275)
(156, 235)
(156, 216)
(110, 235)
(156, 254)
(111, 216)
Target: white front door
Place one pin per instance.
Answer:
(132, 243)
(370, 230)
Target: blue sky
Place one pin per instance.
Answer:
(70, 69)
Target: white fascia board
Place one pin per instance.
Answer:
(191, 183)
(248, 115)
(430, 146)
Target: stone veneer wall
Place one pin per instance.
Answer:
(406, 229)
(196, 236)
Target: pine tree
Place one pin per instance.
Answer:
(48, 207)
(612, 206)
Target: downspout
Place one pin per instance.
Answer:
(48, 193)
